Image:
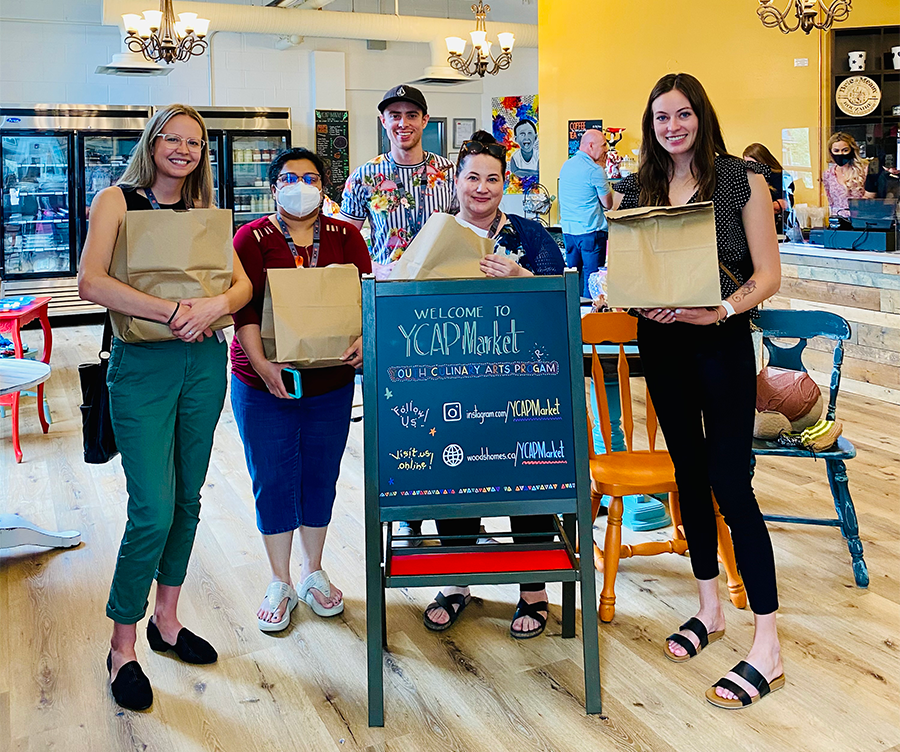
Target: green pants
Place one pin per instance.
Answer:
(165, 400)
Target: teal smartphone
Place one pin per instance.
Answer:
(292, 382)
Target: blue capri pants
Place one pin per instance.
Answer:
(293, 450)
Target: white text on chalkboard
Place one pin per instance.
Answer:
(443, 339)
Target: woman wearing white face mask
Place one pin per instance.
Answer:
(293, 447)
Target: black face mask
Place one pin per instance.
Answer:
(842, 159)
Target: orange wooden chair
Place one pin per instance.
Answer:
(646, 471)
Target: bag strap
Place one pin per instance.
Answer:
(106, 345)
(728, 272)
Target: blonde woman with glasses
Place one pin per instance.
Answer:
(165, 399)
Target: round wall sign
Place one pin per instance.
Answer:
(858, 96)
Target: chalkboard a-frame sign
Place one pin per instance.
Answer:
(474, 407)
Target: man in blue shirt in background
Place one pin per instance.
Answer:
(584, 193)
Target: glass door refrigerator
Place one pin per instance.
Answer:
(246, 140)
(104, 159)
(38, 225)
(55, 159)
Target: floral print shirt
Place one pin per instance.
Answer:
(397, 200)
(839, 195)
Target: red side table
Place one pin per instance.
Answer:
(11, 322)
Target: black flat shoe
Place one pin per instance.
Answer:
(131, 688)
(189, 647)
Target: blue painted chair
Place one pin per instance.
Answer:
(804, 325)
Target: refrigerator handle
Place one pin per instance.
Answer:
(226, 161)
(74, 208)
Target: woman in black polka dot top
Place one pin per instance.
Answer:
(700, 370)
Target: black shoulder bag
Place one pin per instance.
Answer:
(99, 441)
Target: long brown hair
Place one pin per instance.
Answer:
(759, 153)
(656, 165)
(197, 190)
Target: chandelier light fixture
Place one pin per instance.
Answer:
(808, 15)
(162, 39)
(480, 60)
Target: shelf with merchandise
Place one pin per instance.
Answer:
(24, 166)
(14, 221)
(17, 251)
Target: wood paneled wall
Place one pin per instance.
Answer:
(867, 295)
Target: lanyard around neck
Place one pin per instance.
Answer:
(151, 198)
(495, 224)
(417, 220)
(298, 259)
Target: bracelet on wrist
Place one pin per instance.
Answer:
(174, 314)
(729, 309)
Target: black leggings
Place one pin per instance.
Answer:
(536, 523)
(702, 380)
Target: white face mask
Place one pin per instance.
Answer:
(299, 199)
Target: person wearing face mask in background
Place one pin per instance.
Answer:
(293, 447)
(845, 177)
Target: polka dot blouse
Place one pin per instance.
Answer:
(731, 194)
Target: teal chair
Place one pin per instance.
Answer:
(803, 326)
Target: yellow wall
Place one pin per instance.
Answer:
(600, 59)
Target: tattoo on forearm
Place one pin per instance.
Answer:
(747, 289)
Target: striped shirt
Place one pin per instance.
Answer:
(397, 200)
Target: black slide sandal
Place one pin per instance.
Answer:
(533, 610)
(698, 628)
(753, 677)
(452, 604)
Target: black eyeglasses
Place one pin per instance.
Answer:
(498, 151)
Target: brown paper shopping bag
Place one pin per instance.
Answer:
(662, 257)
(311, 316)
(171, 255)
(443, 249)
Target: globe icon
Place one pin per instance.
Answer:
(453, 455)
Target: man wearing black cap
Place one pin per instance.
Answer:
(398, 191)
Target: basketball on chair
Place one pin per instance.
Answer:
(785, 400)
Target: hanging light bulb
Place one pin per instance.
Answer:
(506, 40)
(455, 45)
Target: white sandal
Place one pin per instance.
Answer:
(275, 594)
(318, 580)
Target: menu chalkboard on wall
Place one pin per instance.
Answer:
(474, 398)
(333, 146)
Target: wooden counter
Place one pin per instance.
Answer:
(864, 288)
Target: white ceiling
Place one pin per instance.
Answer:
(509, 11)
